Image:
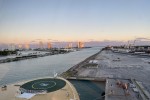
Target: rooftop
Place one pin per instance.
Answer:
(114, 91)
(12, 92)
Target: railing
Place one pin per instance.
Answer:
(32, 91)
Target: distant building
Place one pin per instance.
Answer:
(27, 46)
(49, 45)
(80, 44)
(20, 46)
(142, 48)
(41, 45)
(11, 47)
(69, 46)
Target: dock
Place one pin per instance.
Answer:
(116, 92)
(110, 67)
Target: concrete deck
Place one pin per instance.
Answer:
(114, 92)
(117, 65)
(66, 93)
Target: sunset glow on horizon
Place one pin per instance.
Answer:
(24, 21)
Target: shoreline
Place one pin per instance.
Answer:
(7, 60)
(73, 70)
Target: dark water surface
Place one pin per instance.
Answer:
(89, 90)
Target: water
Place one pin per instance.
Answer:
(89, 90)
(41, 67)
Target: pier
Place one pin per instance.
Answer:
(112, 66)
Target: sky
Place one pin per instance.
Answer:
(73, 20)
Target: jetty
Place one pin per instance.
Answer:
(110, 67)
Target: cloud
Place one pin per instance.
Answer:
(32, 41)
(38, 39)
(141, 38)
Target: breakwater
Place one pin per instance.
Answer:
(72, 72)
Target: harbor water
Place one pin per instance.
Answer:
(43, 66)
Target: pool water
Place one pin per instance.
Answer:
(89, 90)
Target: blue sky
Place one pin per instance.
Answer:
(71, 20)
